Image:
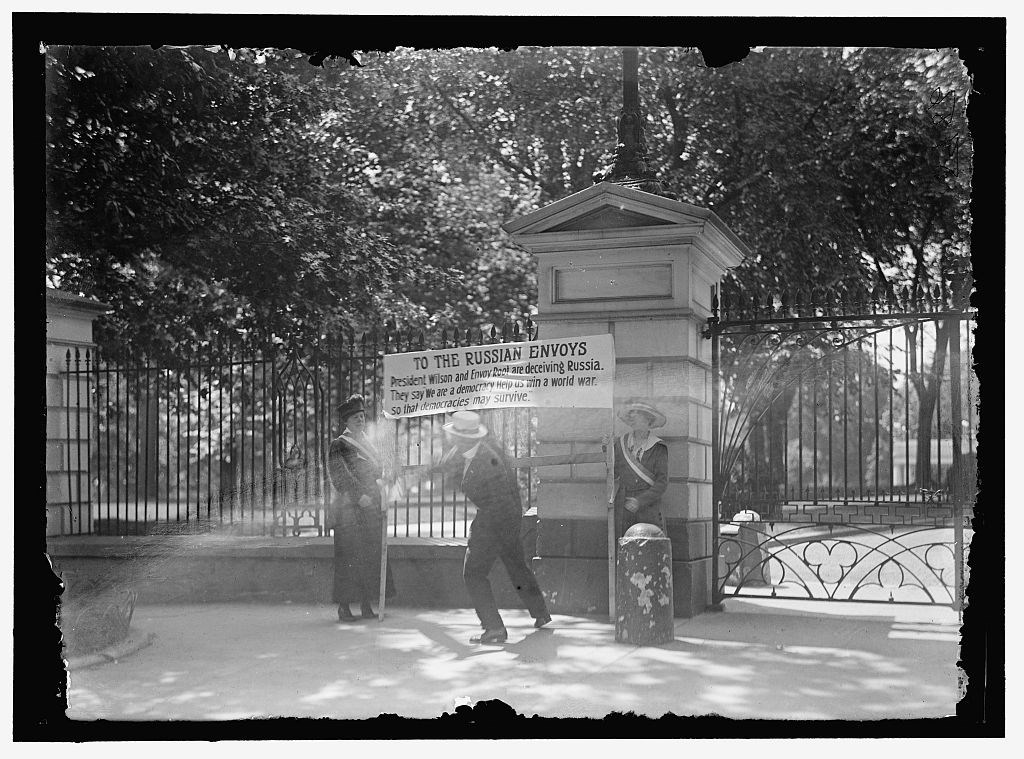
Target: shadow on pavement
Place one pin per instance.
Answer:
(237, 661)
(436, 634)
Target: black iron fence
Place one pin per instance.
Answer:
(833, 406)
(239, 441)
(860, 417)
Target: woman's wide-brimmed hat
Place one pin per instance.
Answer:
(658, 418)
(352, 405)
(465, 424)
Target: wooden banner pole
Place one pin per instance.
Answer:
(610, 484)
(390, 470)
(383, 552)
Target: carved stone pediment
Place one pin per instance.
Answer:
(610, 214)
(608, 217)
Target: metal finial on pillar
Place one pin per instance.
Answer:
(631, 167)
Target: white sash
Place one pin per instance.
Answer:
(368, 453)
(635, 465)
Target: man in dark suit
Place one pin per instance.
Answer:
(489, 481)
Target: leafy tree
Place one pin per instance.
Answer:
(212, 192)
(468, 139)
(194, 193)
(797, 149)
(283, 198)
(844, 170)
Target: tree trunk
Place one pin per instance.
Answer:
(778, 430)
(756, 474)
(926, 407)
(151, 446)
(928, 387)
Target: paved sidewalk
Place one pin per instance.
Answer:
(756, 659)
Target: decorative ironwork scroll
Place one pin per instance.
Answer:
(842, 424)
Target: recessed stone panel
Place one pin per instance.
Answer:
(649, 337)
(58, 451)
(572, 500)
(691, 586)
(54, 517)
(703, 344)
(700, 346)
(588, 471)
(678, 458)
(59, 420)
(60, 488)
(676, 411)
(567, 425)
(609, 283)
(699, 461)
(554, 536)
(549, 448)
(690, 539)
(573, 537)
(670, 379)
(555, 472)
(573, 585)
(699, 500)
(700, 422)
(674, 501)
(632, 380)
(701, 289)
(70, 328)
(55, 389)
(555, 329)
(699, 383)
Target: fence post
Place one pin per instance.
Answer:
(69, 411)
(716, 452)
(616, 260)
(957, 477)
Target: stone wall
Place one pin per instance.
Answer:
(194, 569)
(612, 259)
(69, 320)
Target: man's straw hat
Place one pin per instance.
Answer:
(465, 424)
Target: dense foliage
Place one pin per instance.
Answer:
(211, 192)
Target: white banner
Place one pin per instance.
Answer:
(571, 372)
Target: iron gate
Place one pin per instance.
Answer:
(844, 438)
(237, 440)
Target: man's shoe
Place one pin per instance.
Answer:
(542, 620)
(492, 637)
(345, 614)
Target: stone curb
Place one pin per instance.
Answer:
(134, 642)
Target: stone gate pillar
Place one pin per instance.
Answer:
(69, 415)
(640, 266)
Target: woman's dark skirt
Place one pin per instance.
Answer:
(357, 557)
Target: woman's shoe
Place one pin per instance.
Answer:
(366, 612)
(345, 614)
(492, 637)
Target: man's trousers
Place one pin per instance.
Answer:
(492, 538)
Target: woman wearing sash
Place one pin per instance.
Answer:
(355, 469)
(641, 468)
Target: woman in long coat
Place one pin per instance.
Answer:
(641, 468)
(354, 467)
